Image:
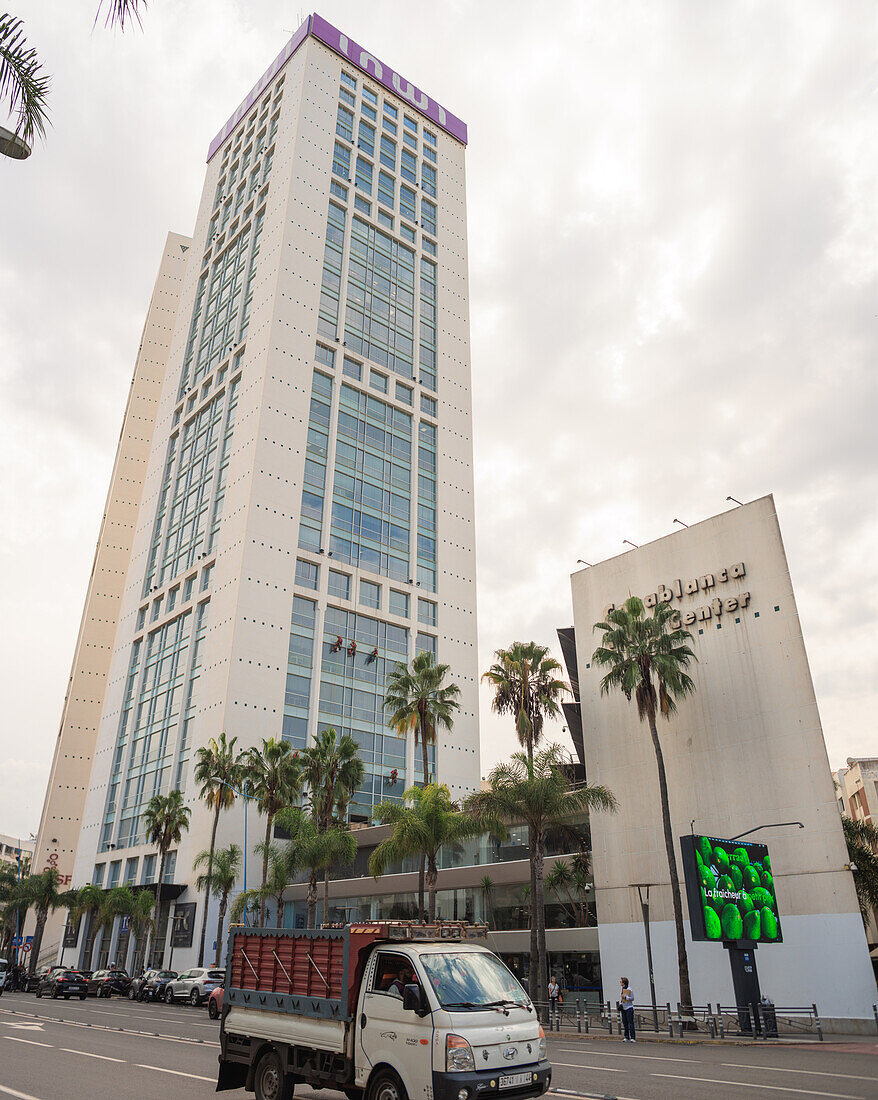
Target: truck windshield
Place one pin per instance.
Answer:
(471, 980)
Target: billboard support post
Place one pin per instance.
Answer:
(644, 909)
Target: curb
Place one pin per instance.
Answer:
(651, 1037)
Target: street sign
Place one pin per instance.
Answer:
(27, 947)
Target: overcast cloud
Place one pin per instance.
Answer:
(673, 215)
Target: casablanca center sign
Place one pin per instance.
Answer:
(705, 584)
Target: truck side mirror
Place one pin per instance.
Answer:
(414, 999)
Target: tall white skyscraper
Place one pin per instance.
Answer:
(309, 478)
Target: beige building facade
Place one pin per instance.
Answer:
(61, 819)
(746, 750)
(307, 513)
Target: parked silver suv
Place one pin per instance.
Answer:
(194, 985)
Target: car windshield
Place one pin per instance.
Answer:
(471, 980)
(118, 973)
(167, 975)
(216, 975)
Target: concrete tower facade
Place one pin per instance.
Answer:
(310, 476)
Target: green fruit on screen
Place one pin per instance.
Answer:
(725, 883)
(705, 876)
(762, 898)
(712, 925)
(740, 857)
(769, 924)
(721, 859)
(705, 851)
(736, 875)
(766, 863)
(768, 881)
(745, 904)
(752, 925)
(733, 927)
(751, 878)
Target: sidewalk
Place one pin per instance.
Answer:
(862, 1043)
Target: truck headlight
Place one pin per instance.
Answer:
(544, 1050)
(458, 1055)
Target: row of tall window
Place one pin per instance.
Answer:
(371, 594)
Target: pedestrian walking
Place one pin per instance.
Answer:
(627, 1002)
(555, 998)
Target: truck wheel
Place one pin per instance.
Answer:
(386, 1086)
(270, 1082)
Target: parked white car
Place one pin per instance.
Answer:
(194, 985)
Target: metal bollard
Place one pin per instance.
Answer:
(609, 1019)
(670, 1021)
(819, 1028)
(579, 1016)
(719, 1016)
(875, 1012)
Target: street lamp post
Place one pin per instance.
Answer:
(644, 909)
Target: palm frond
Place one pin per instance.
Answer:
(120, 12)
(23, 85)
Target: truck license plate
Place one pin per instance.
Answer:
(513, 1080)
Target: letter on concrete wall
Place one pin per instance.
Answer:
(737, 570)
(706, 581)
(665, 594)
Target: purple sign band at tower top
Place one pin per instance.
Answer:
(360, 59)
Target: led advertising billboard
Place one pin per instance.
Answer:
(730, 886)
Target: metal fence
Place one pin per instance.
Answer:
(707, 1021)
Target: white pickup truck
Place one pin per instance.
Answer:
(380, 1011)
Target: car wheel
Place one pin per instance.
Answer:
(39, 991)
(66, 996)
(82, 996)
(132, 996)
(55, 993)
(194, 998)
(270, 1081)
(385, 1085)
(169, 996)
(212, 1010)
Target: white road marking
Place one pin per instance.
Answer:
(576, 1065)
(88, 1054)
(752, 1085)
(608, 1054)
(19, 1095)
(30, 1042)
(106, 1027)
(811, 1072)
(26, 1027)
(197, 1076)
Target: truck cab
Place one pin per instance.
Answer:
(431, 1014)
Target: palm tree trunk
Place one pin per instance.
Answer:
(432, 876)
(42, 914)
(207, 887)
(312, 900)
(158, 906)
(533, 959)
(326, 896)
(263, 900)
(682, 958)
(541, 919)
(219, 929)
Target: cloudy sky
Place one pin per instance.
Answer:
(673, 210)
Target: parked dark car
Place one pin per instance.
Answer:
(103, 983)
(61, 982)
(153, 988)
(30, 982)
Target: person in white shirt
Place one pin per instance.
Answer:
(627, 1003)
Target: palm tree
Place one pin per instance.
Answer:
(219, 770)
(426, 820)
(538, 792)
(246, 904)
(165, 819)
(333, 770)
(526, 685)
(23, 85)
(861, 838)
(276, 777)
(419, 700)
(646, 656)
(141, 921)
(118, 901)
(87, 901)
(42, 894)
(487, 885)
(222, 874)
(280, 873)
(314, 851)
(570, 881)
